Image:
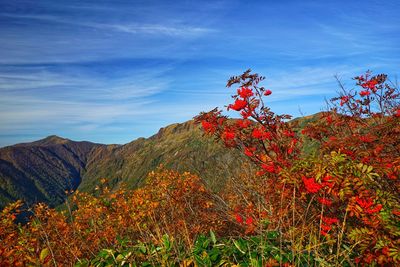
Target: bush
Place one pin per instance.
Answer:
(169, 203)
(345, 196)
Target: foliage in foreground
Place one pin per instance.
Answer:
(346, 193)
(170, 203)
(206, 251)
(336, 206)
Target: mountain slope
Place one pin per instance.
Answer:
(42, 171)
(180, 147)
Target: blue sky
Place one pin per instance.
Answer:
(113, 71)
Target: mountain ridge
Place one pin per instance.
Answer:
(43, 170)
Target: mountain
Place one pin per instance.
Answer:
(44, 170)
(180, 147)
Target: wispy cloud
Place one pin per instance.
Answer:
(84, 102)
(157, 29)
(176, 30)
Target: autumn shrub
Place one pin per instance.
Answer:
(12, 244)
(343, 199)
(170, 203)
(185, 207)
(363, 124)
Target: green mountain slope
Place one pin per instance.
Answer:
(179, 147)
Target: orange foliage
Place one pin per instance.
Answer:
(173, 203)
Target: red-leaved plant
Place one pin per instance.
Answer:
(348, 188)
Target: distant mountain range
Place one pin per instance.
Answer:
(43, 171)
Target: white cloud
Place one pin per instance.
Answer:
(174, 29)
(34, 97)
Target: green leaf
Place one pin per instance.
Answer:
(82, 263)
(142, 248)
(213, 238)
(43, 254)
(272, 235)
(370, 168)
(255, 263)
(103, 254)
(364, 168)
(166, 242)
(238, 246)
(119, 258)
(199, 260)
